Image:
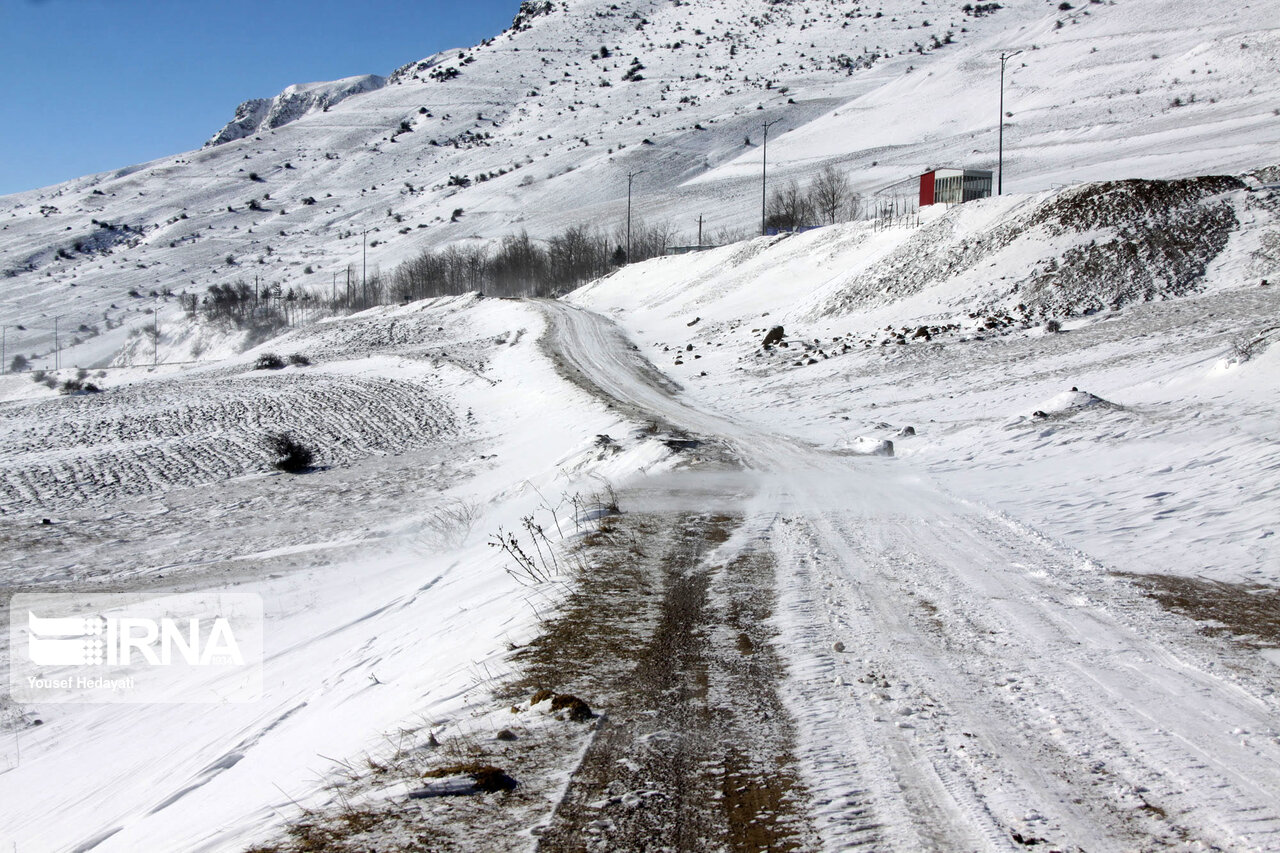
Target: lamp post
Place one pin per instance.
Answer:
(1004, 57)
(364, 265)
(764, 172)
(630, 177)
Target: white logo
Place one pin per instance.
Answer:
(112, 641)
(135, 647)
(65, 642)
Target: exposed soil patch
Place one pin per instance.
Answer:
(1248, 613)
(694, 749)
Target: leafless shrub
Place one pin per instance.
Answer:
(449, 524)
(289, 454)
(539, 567)
(1247, 346)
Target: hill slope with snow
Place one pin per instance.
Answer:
(949, 530)
(537, 128)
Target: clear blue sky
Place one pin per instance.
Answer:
(92, 85)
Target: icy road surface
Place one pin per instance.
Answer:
(958, 681)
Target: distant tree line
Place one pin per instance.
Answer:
(521, 266)
(245, 306)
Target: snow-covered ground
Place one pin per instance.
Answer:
(544, 136)
(436, 426)
(998, 673)
(978, 581)
(1008, 632)
(1172, 469)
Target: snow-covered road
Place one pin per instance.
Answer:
(958, 680)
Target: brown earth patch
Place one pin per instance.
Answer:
(1246, 612)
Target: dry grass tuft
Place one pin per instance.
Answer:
(578, 710)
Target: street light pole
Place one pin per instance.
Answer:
(364, 265)
(764, 172)
(1004, 57)
(630, 177)
(155, 336)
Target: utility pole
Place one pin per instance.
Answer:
(333, 292)
(1004, 57)
(155, 336)
(364, 265)
(764, 172)
(55, 343)
(630, 177)
(4, 365)
(699, 230)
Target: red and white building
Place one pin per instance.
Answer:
(954, 186)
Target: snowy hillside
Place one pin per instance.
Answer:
(1049, 615)
(953, 530)
(537, 128)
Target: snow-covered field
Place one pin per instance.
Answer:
(979, 581)
(373, 568)
(1047, 617)
(543, 143)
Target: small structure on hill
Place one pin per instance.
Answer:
(954, 186)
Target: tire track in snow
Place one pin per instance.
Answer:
(989, 695)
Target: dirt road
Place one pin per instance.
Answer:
(954, 681)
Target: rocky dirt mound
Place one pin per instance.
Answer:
(1083, 249)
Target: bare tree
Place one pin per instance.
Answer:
(788, 208)
(578, 255)
(832, 197)
(517, 268)
(647, 241)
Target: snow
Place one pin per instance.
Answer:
(1001, 669)
(1069, 401)
(1089, 102)
(865, 446)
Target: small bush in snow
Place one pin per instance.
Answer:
(1245, 347)
(1052, 327)
(299, 360)
(268, 361)
(289, 454)
(79, 386)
